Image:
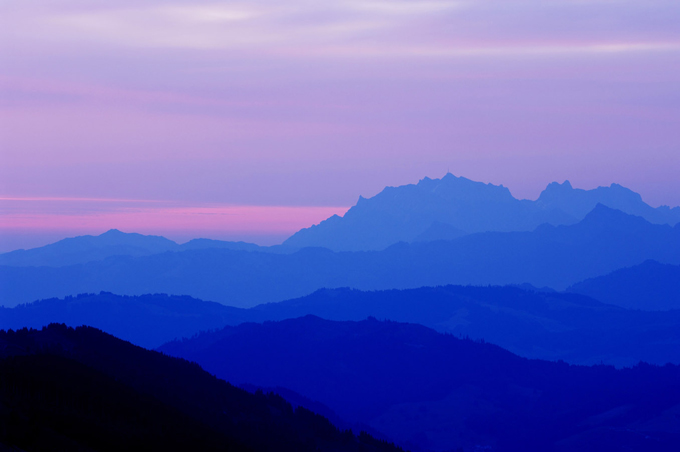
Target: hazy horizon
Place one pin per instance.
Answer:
(262, 225)
(290, 112)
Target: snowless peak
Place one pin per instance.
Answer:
(112, 232)
(566, 185)
(608, 215)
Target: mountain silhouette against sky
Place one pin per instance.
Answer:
(553, 256)
(438, 392)
(88, 248)
(418, 211)
(578, 202)
(433, 209)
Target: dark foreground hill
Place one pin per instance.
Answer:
(556, 257)
(83, 390)
(552, 326)
(436, 391)
(648, 286)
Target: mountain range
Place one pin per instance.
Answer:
(555, 326)
(553, 256)
(587, 279)
(439, 208)
(433, 209)
(432, 391)
(88, 248)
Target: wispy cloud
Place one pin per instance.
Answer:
(91, 215)
(389, 28)
(28, 199)
(188, 99)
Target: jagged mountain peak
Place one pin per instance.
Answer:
(556, 187)
(462, 188)
(112, 232)
(578, 201)
(404, 213)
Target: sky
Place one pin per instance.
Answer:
(250, 120)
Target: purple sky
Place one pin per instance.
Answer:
(271, 115)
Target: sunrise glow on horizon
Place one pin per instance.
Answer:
(264, 225)
(252, 118)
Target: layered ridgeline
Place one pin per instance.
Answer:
(446, 208)
(554, 256)
(88, 248)
(650, 285)
(433, 391)
(554, 326)
(83, 390)
(439, 209)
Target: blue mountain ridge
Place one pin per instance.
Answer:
(553, 256)
(554, 326)
(649, 285)
(88, 248)
(410, 212)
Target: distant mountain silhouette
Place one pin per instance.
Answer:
(556, 257)
(404, 213)
(578, 202)
(552, 326)
(88, 248)
(438, 392)
(201, 244)
(648, 286)
(83, 390)
(416, 212)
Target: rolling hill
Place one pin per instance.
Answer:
(554, 326)
(433, 391)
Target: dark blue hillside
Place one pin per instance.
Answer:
(147, 320)
(552, 326)
(543, 325)
(648, 286)
(436, 391)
